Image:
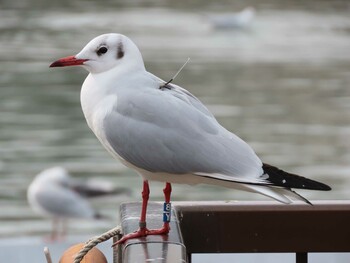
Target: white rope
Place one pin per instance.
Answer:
(92, 242)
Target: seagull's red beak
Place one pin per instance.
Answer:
(68, 61)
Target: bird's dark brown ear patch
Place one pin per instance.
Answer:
(120, 50)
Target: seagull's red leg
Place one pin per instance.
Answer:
(145, 197)
(143, 231)
(166, 213)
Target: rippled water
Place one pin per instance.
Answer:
(282, 85)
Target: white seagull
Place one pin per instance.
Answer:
(164, 132)
(53, 193)
(238, 20)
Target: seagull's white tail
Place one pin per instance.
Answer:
(282, 195)
(274, 193)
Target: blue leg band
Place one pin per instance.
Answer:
(166, 212)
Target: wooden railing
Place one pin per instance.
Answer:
(237, 227)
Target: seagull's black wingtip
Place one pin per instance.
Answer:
(284, 179)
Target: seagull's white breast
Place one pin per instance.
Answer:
(97, 102)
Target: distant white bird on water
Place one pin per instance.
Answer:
(53, 193)
(238, 20)
(164, 132)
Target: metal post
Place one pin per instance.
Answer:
(301, 257)
(167, 248)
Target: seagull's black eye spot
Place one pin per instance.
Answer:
(120, 50)
(102, 50)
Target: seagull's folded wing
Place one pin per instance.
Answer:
(62, 202)
(171, 131)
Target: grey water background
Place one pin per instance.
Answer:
(282, 84)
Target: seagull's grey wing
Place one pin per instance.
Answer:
(62, 202)
(171, 131)
(189, 98)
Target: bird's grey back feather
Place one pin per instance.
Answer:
(59, 202)
(145, 129)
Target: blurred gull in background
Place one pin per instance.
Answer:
(239, 20)
(54, 193)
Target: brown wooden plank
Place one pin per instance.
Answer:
(219, 227)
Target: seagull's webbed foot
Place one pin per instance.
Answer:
(143, 232)
(160, 231)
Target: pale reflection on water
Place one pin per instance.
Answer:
(282, 85)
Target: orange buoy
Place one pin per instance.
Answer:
(93, 256)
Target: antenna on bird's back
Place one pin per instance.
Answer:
(177, 73)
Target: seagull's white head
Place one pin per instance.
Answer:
(104, 53)
(53, 176)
